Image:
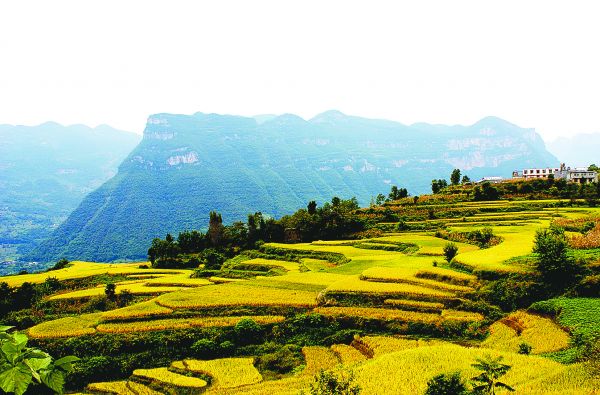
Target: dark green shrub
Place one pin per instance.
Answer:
(247, 331)
(446, 384)
(328, 383)
(205, 349)
(525, 348)
(282, 361)
(450, 251)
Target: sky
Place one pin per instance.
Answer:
(533, 63)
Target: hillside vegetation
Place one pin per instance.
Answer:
(387, 297)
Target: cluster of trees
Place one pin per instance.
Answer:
(334, 220)
(455, 179)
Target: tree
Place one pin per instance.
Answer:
(397, 193)
(450, 251)
(110, 291)
(380, 199)
(61, 264)
(593, 167)
(215, 228)
(491, 370)
(558, 270)
(312, 207)
(327, 383)
(465, 179)
(435, 187)
(22, 366)
(447, 384)
(455, 177)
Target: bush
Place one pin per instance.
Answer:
(446, 384)
(450, 251)
(328, 383)
(247, 331)
(282, 361)
(205, 349)
(525, 348)
(589, 287)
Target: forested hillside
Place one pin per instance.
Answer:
(186, 166)
(45, 171)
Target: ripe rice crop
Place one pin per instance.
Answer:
(181, 323)
(110, 387)
(164, 376)
(393, 275)
(407, 372)
(378, 314)
(139, 310)
(66, 327)
(458, 315)
(318, 358)
(286, 386)
(354, 284)
(446, 275)
(226, 372)
(289, 266)
(311, 278)
(539, 332)
(432, 307)
(137, 288)
(236, 294)
(380, 345)
(589, 240)
(80, 269)
(178, 280)
(348, 355)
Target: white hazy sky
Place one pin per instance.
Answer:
(534, 63)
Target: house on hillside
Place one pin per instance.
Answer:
(579, 175)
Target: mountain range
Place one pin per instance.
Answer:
(579, 150)
(45, 172)
(188, 165)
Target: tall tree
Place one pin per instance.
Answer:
(215, 229)
(455, 177)
(312, 207)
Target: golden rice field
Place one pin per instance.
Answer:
(81, 269)
(399, 275)
(380, 345)
(110, 387)
(318, 358)
(543, 334)
(398, 315)
(225, 372)
(236, 294)
(287, 265)
(163, 376)
(347, 355)
(356, 285)
(407, 371)
(459, 315)
(136, 288)
(138, 310)
(428, 244)
(181, 323)
(414, 304)
(287, 386)
(323, 279)
(66, 327)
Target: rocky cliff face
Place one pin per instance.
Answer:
(186, 166)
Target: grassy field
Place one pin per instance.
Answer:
(225, 372)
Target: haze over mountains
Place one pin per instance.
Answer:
(45, 171)
(187, 165)
(577, 150)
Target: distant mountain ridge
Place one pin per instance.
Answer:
(187, 165)
(578, 150)
(45, 172)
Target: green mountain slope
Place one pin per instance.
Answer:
(46, 171)
(186, 166)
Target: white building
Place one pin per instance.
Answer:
(580, 175)
(539, 173)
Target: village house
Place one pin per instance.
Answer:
(579, 175)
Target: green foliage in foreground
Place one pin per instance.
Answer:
(327, 383)
(447, 384)
(22, 366)
(491, 370)
(580, 315)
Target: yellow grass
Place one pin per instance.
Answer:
(236, 294)
(80, 269)
(541, 333)
(136, 288)
(407, 372)
(286, 386)
(381, 345)
(163, 375)
(414, 304)
(387, 274)
(226, 372)
(181, 323)
(348, 355)
(139, 310)
(318, 358)
(66, 327)
(289, 266)
(111, 387)
(458, 315)
(354, 284)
